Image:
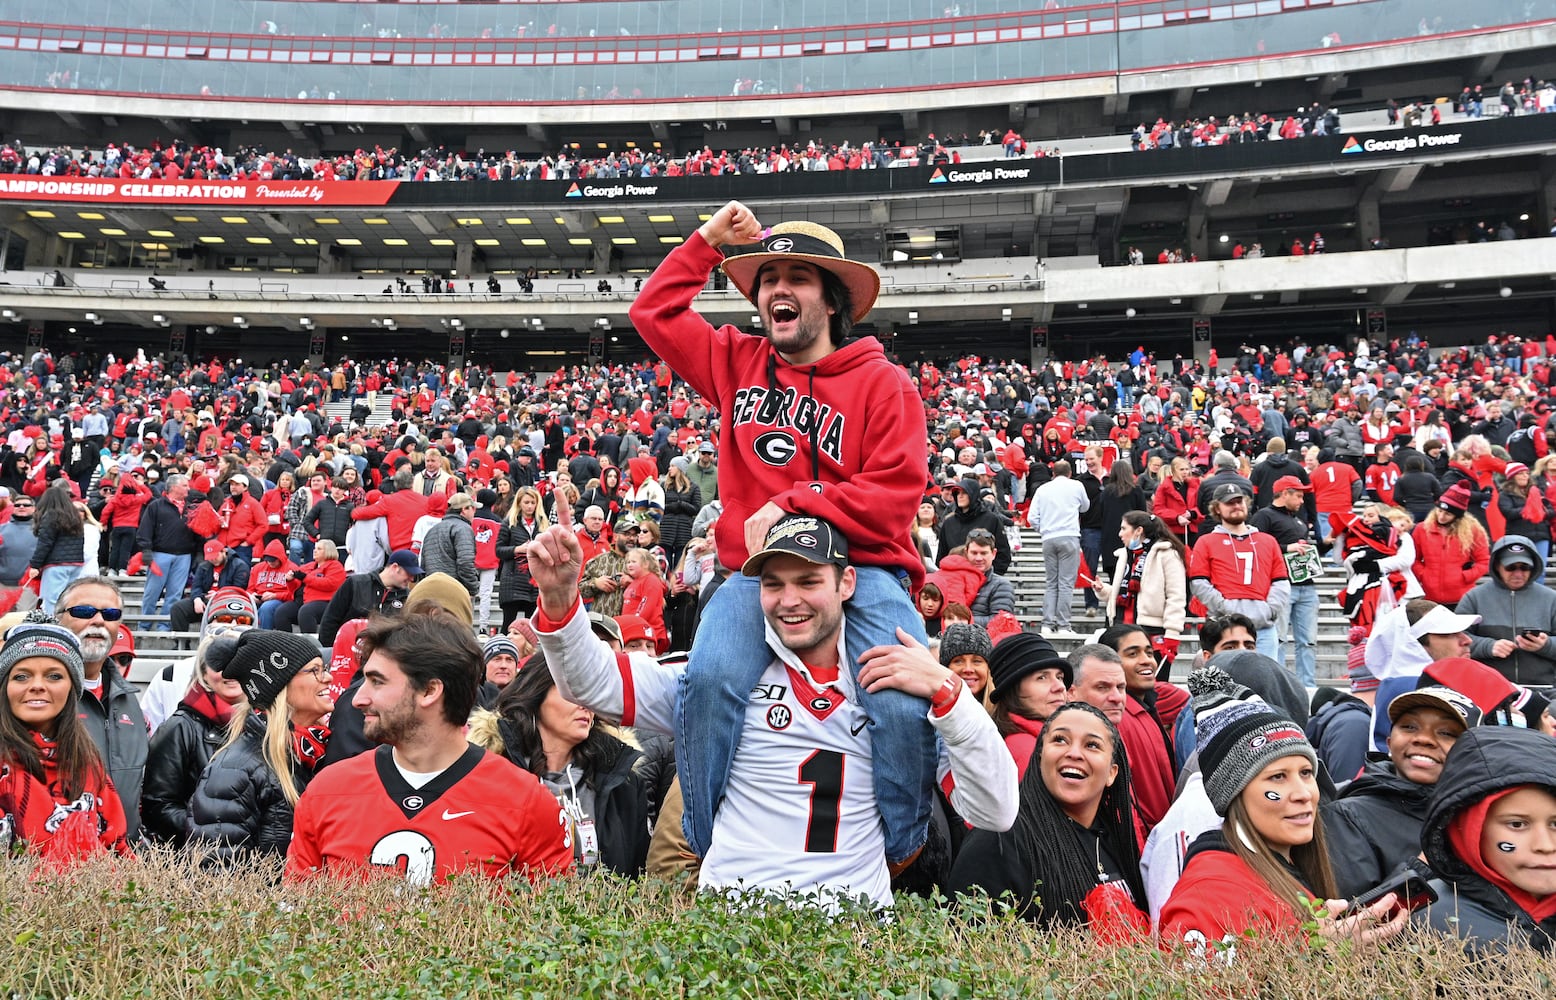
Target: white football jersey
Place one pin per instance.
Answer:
(799, 810)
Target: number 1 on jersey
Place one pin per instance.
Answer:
(823, 772)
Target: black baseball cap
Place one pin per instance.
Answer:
(803, 535)
(1231, 491)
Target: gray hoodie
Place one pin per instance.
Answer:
(1505, 612)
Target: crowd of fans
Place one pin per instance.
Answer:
(325, 562)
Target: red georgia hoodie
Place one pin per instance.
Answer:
(842, 439)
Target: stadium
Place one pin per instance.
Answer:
(571, 144)
(369, 469)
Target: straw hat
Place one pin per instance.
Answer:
(813, 244)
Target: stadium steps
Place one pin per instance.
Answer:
(1027, 576)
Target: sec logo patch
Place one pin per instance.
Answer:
(779, 717)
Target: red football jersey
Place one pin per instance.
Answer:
(482, 814)
(1332, 486)
(1240, 567)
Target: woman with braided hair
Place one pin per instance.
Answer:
(1072, 856)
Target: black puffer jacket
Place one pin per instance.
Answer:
(55, 549)
(681, 507)
(514, 585)
(1485, 760)
(238, 809)
(180, 750)
(1374, 826)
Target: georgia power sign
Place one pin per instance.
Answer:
(1400, 144)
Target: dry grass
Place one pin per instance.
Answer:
(158, 928)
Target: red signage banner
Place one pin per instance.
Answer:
(114, 191)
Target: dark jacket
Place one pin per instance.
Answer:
(1374, 827)
(328, 519)
(681, 507)
(180, 750)
(1341, 733)
(1114, 507)
(1485, 760)
(361, 595)
(514, 586)
(1417, 492)
(978, 514)
(1504, 613)
(162, 529)
(449, 547)
(238, 807)
(621, 814)
(54, 549)
(118, 728)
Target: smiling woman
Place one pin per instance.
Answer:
(1376, 824)
(1266, 868)
(55, 797)
(582, 760)
(1072, 856)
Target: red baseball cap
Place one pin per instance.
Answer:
(1285, 483)
(633, 627)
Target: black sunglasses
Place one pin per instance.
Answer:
(85, 611)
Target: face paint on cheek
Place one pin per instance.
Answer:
(1505, 847)
(1272, 796)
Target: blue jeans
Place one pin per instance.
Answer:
(1268, 643)
(267, 613)
(729, 660)
(1091, 549)
(296, 548)
(167, 586)
(54, 580)
(1302, 616)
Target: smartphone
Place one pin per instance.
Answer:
(1529, 633)
(1409, 886)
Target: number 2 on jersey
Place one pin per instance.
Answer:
(823, 772)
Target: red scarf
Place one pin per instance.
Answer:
(35, 813)
(206, 703)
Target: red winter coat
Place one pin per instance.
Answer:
(645, 597)
(322, 579)
(245, 519)
(1169, 505)
(1152, 780)
(1440, 560)
(124, 508)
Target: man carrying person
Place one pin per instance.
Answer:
(800, 814)
(1235, 568)
(426, 802)
(813, 424)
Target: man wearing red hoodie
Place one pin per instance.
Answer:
(818, 424)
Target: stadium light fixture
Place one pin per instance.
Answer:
(1505, 292)
(1225, 238)
(503, 333)
(1005, 314)
(10, 314)
(912, 318)
(305, 322)
(1130, 312)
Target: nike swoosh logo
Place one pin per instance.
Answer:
(449, 815)
(859, 728)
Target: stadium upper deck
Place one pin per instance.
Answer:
(326, 52)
